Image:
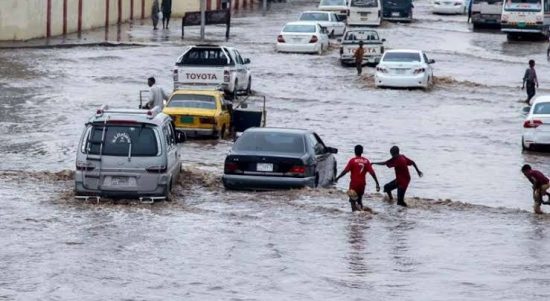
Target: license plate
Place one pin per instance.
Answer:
(521, 24)
(187, 119)
(399, 71)
(264, 167)
(395, 14)
(119, 181)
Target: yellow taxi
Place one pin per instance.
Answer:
(199, 112)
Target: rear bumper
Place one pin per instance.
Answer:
(493, 19)
(411, 81)
(448, 9)
(265, 182)
(513, 28)
(532, 138)
(348, 59)
(80, 191)
(194, 132)
(150, 185)
(302, 48)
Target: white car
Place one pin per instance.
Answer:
(404, 69)
(339, 7)
(305, 37)
(326, 19)
(536, 128)
(448, 7)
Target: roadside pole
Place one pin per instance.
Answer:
(203, 18)
(264, 7)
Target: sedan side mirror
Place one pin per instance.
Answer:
(431, 61)
(246, 61)
(383, 40)
(526, 110)
(180, 137)
(332, 150)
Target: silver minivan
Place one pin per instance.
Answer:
(127, 154)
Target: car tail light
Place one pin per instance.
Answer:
(207, 120)
(313, 39)
(82, 166)
(175, 75)
(532, 124)
(297, 170)
(381, 69)
(226, 77)
(280, 39)
(230, 167)
(419, 70)
(156, 169)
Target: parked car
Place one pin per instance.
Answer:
(303, 37)
(373, 45)
(127, 154)
(449, 7)
(536, 127)
(266, 158)
(199, 112)
(213, 65)
(397, 10)
(326, 19)
(405, 69)
(339, 7)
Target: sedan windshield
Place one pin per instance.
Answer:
(542, 108)
(299, 28)
(314, 17)
(401, 57)
(194, 101)
(270, 142)
(333, 2)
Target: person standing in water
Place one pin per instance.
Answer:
(358, 166)
(530, 80)
(540, 186)
(358, 55)
(166, 12)
(402, 176)
(155, 14)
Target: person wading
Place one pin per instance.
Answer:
(155, 14)
(540, 186)
(402, 177)
(358, 166)
(530, 80)
(358, 55)
(166, 12)
(156, 95)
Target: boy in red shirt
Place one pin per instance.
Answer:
(402, 177)
(540, 185)
(358, 166)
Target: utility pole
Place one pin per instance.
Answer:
(264, 7)
(203, 18)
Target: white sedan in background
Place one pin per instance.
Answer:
(339, 7)
(536, 127)
(326, 19)
(449, 7)
(305, 37)
(404, 69)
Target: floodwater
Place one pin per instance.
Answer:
(467, 235)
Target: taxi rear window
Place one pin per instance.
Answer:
(193, 101)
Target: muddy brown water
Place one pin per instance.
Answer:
(468, 234)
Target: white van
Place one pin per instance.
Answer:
(520, 17)
(364, 13)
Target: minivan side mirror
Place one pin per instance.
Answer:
(246, 61)
(180, 137)
(431, 61)
(332, 150)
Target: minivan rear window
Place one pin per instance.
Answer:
(193, 101)
(401, 57)
(119, 139)
(270, 142)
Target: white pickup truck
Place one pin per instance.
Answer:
(373, 45)
(213, 65)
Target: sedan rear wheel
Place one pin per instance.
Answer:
(523, 146)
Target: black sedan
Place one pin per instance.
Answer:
(267, 158)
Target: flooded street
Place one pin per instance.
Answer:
(469, 233)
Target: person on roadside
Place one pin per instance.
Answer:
(402, 176)
(530, 80)
(358, 166)
(166, 13)
(157, 95)
(155, 14)
(358, 55)
(540, 186)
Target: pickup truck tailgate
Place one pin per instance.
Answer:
(198, 75)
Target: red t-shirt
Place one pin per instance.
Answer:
(358, 167)
(401, 165)
(538, 178)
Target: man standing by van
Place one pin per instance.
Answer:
(358, 55)
(402, 177)
(358, 166)
(530, 80)
(156, 95)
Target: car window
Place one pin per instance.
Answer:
(194, 101)
(169, 134)
(401, 57)
(425, 58)
(270, 142)
(314, 17)
(299, 28)
(120, 139)
(364, 35)
(364, 3)
(238, 57)
(206, 57)
(542, 108)
(334, 2)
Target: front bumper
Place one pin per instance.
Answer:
(302, 48)
(401, 81)
(232, 181)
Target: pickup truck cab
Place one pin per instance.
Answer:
(373, 45)
(213, 65)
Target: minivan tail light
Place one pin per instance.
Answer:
(314, 39)
(156, 169)
(532, 124)
(280, 39)
(82, 166)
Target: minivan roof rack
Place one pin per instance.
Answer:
(150, 114)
